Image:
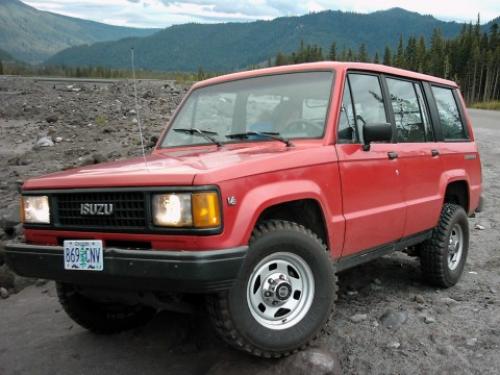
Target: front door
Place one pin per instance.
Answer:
(372, 198)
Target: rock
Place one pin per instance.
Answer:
(91, 159)
(10, 218)
(59, 139)
(358, 318)
(352, 293)
(132, 112)
(377, 281)
(52, 118)
(41, 282)
(393, 345)
(471, 342)
(479, 227)
(376, 287)
(4, 293)
(148, 95)
(448, 301)
(312, 361)
(45, 141)
(393, 319)
(429, 319)
(99, 158)
(419, 299)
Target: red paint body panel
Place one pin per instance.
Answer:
(367, 200)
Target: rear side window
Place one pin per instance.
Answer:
(449, 115)
(410, 115)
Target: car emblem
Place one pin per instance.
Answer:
(96, 209)
(231, 200)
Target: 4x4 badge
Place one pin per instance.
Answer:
(231, 200)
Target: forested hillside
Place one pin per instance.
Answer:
(233, 46)
(472, 58)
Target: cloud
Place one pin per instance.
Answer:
(163, 13)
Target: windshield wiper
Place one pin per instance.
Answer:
(271, 135)
(208, 135)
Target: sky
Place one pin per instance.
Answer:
(163, 13)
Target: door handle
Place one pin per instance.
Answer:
(435, 152)
(392, 155)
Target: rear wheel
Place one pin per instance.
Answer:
(101, 317)
(443, 256)
(283, 296)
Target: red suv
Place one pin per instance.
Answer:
(264, 185)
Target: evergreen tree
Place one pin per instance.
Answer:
(362, 54)
(1, 68)
(332, 55)
(281, 59)
(421, 55)
(201, 74)
(400, 55)
(387, 56)
(376, 59)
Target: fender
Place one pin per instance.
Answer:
(454, 175)
(261, 197)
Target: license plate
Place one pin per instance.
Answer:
(83, 255)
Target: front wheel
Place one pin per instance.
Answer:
(101, 317)
(283, 296)
(443, 256)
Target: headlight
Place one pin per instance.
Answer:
(35, 209)
(199, 210)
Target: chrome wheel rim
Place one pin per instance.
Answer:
(455, 247)
(280, 290)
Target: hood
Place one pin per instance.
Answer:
(199, 166)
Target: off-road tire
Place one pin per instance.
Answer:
(230, 312)
(100, 317)
(434, 252)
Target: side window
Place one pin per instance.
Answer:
(368, 100)
(449, 116)
(410, 122)
(347, 132)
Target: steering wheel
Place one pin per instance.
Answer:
(301, 125)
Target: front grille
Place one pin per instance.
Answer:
(129, 210)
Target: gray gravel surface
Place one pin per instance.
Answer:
(387, 321)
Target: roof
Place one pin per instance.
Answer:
(326, 65)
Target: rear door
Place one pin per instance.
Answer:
(420, 162)
(458, 151)
(373, 204)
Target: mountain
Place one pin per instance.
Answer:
(232, 46)
(32, 35)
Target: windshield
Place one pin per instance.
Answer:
(290, 106)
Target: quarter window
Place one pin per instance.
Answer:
(408, 112)
(347, 125)
(449, 116)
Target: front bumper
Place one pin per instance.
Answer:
(147, 270)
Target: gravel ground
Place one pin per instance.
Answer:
(386, 321)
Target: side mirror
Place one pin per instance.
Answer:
(376, 133)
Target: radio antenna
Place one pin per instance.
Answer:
(139, 123)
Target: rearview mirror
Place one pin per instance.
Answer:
(376, 133)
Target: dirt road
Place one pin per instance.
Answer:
(409, 328)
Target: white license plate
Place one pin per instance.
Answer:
(83, 255)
